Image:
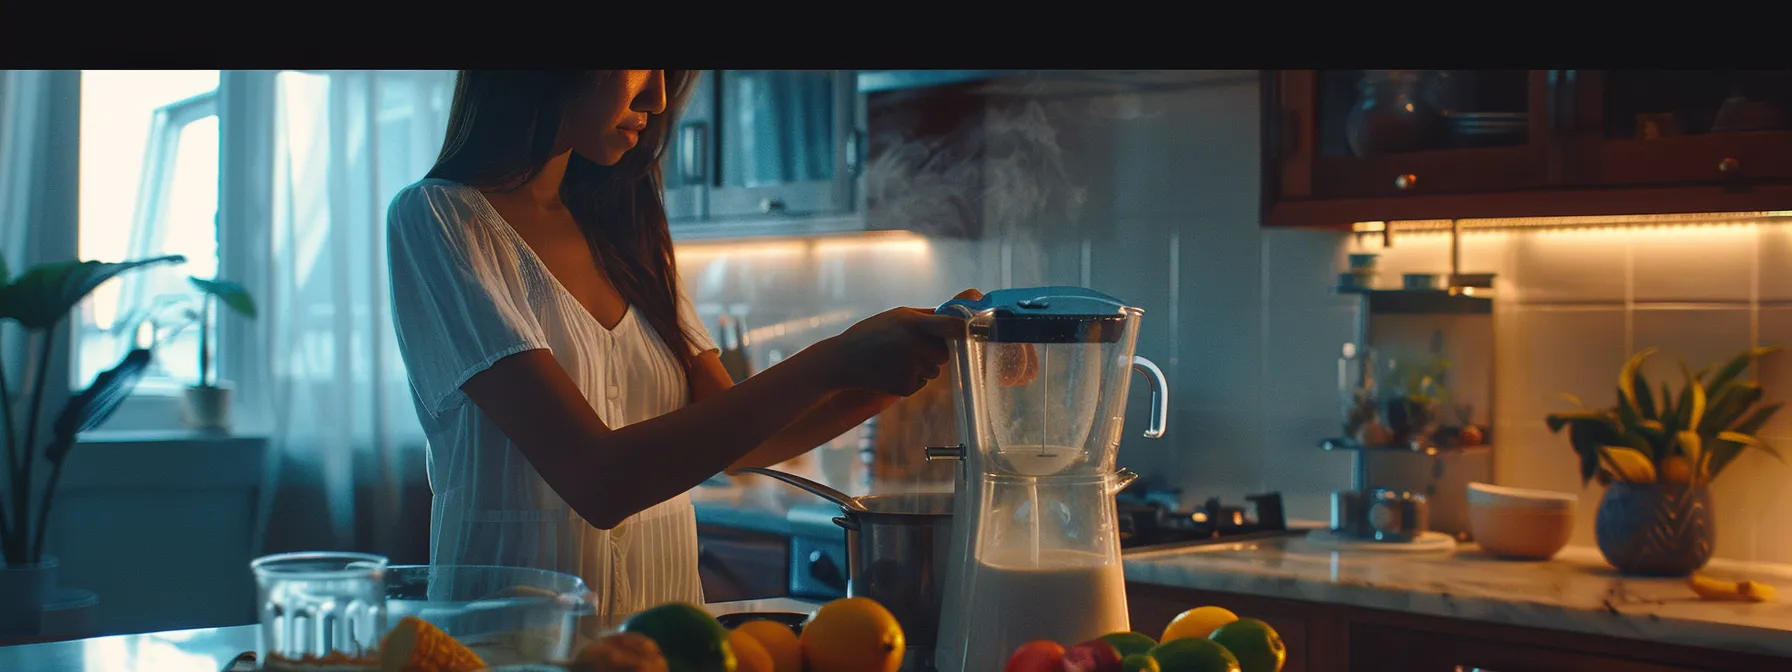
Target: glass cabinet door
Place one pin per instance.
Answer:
(688, 165)
(783, 139)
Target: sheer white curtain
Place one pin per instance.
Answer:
(333, 389)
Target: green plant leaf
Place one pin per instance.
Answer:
(229, 293)
(1627, 376)
(1627, 413)
(1729, 404)
(1668, 413)
(1691, 446)
(1587, 448)
(45, 293)
(1697, 412)
(1557, 421)
(5, 271)
(1751, 442)
(1736, 366)
(1644, 399)
(91, 408)
(1573, 399)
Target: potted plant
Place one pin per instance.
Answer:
(1658, 457)
(207, 403)
(39, 301)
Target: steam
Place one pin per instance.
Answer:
(1001, 168)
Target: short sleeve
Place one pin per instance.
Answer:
(701, 340)
(458, 306)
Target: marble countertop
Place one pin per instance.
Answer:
(209, 649)
(1575, 592)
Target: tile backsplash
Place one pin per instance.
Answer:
(1243, 322)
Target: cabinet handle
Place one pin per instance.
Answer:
(1406, 182)
(693, 152)
(771, 205)
(1729, 166)
(855, 152)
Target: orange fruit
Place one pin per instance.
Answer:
(418, 646)
(778, 641)
(855, 634)
(749, 654)
(620, 652)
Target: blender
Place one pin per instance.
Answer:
(1035, 551)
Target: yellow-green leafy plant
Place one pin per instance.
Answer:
(1686, 437)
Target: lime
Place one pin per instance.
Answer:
(690, 638)
(1257, 646)
(1128, 643)
(1140, 662)
(1194, 655)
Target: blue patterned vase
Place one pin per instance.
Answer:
(1656, 529)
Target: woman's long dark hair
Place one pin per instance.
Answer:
(502, 130)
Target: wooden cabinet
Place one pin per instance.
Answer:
(1324, 637)
(1342, 146)
(742, 565)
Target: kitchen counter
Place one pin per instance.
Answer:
(209, 649)
(1576, 592)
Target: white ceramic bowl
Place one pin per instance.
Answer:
(1520, 523)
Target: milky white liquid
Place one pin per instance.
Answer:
(1068, 598)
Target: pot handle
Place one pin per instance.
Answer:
(1160, 396)
(847, 523)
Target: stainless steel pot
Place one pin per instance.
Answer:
(896, 548)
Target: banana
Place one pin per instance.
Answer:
(1730, 591)
(1631, 466)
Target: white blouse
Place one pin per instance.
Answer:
(466, 292)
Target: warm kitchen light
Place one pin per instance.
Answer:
(1442, 226)
(879, 242)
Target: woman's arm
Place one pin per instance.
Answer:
(607, 475)
(834, 415)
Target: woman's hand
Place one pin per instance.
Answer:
(894, 352)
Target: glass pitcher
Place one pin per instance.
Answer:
(1043, 377)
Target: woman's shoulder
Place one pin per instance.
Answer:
(432, 207)
(430, 194)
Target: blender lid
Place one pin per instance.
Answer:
(1043, 315)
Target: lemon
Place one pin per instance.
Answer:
(855, 634)
(1197, 623)
(778, 641)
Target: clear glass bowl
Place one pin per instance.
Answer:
(507, 615)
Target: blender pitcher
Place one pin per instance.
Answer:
(1035, 549)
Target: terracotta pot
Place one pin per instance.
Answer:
(1656, 529)
(24, 590)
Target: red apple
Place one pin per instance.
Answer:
(1093, 656)
(1037, 656)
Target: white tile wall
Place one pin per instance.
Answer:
(1244, 323)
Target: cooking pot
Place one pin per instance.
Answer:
(896, 546)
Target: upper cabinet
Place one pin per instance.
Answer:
(762, 152)
(1342, 146)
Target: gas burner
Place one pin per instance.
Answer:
(1148, 521)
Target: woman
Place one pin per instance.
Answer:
(569, 393)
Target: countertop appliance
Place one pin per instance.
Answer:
(1035, 554)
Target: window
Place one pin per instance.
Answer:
(149, 186)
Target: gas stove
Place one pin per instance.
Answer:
(1151, 519)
